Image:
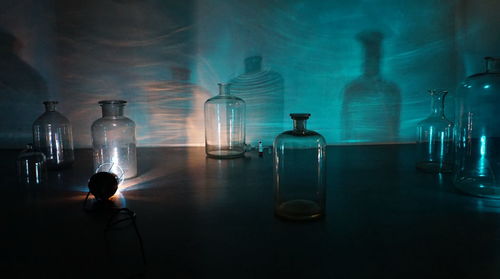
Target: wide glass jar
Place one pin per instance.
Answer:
(299, 172)
(435, 138)
(52, 135)
(224, 125)
(478, 133)
(113, 140)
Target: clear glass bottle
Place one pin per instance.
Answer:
(478, 133)
(113, 140)
(31, 166)
(299, 172)
(224, 125)
(52, 135)
(435, 138)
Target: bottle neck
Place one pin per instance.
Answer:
(253, 64)
(437, 104)
(492, 65)
(50, 106)
(371, 66)
(112, 110)
(299, 125)
(224, 89)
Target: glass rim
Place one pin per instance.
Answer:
(50, 102)
(300, 115)
(112, 102)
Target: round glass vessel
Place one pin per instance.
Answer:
(299, 172)
(52, 135)
(478, 133)
(224, 125)
(435, 138)
(113, 140)
(31, 166)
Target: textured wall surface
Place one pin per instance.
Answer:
(362, 68)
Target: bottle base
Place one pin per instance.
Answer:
(225, 154)
(434, 167)
(476, 187)
(299, 210)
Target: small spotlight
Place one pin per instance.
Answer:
(103, 185)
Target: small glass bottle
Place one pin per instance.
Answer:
(299, 172)
(435, 138)
(113, 140)
(478, 133)
(224, 125)
(52, 135)
(31, 166)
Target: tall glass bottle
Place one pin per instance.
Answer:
(224, 125)
(113, 140)
(299, 172)
(435, 138)
(52, 135)
(478, 133)
(31, 166)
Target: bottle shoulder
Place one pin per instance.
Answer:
(230, 100)
(437, 122)
(307, 136)
(51, 117)
(121, 121)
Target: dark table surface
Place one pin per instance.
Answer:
(207, 218)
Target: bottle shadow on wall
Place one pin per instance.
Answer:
(170, 104)
(371, 105)
(22, 90)
(263, 92)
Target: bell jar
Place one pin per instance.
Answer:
(478, 133)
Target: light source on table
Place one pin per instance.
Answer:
(104, 183)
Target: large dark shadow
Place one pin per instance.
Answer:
(371, 104)
(263, 92)
(22, 89)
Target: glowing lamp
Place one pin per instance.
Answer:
(104, 183)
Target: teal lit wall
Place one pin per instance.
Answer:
(362, 68)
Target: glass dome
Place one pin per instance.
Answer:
(478, 133)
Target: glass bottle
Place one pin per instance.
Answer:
(263, 92)
(478, 133)
(299, 172)
(113, 140)
(435, 138)
(31, 166)
(224, 125)
(52, 135)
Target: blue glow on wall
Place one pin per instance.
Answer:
(361, 68)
